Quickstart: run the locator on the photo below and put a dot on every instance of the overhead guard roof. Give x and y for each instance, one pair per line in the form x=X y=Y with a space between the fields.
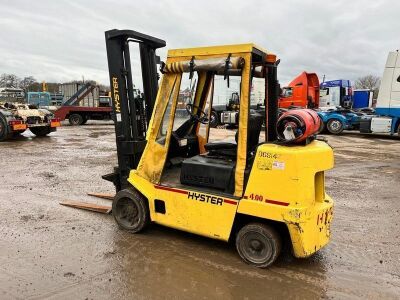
x=215 y=50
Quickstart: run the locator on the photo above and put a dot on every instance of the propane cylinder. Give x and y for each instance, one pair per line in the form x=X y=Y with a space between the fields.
x=295 y=126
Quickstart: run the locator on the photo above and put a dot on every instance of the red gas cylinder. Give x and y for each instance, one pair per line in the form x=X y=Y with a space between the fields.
x=296 y=125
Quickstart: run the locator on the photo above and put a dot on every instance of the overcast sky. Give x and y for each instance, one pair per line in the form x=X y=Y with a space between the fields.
x=64 y=40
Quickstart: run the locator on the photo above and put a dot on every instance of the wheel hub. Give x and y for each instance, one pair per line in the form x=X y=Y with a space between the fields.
x=127 y=212
x=257 y=247
x=335 y=125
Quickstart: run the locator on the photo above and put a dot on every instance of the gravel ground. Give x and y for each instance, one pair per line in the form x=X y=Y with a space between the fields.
x=49 y=251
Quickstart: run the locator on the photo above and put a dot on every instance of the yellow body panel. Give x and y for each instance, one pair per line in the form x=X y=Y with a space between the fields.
x=196 y=212
x=286 y=184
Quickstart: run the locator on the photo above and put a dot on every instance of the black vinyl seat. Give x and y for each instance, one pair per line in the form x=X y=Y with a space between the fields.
x=216 y=169
x=230 y=149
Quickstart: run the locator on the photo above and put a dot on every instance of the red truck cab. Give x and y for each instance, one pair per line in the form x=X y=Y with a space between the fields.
x=303 y=91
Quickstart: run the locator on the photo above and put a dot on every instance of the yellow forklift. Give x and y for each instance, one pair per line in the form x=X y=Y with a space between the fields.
x=252 y=190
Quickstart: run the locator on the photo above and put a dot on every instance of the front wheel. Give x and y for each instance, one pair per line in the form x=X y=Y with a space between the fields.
x=40 y=131
x=335 y=126
x=130 y=210
x=258 y=244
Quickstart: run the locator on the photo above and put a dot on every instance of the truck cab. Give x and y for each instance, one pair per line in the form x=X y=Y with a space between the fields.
x=336 y=93
x=39 y=99
x=303 y=91
x=387 y=112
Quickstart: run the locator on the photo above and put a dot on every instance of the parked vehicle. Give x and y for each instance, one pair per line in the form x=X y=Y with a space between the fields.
x=79 y=115
x=385 y=118
x=228 y=114
x=362 y=98
x=336 y=93
x=15 y=118
x=303 y=91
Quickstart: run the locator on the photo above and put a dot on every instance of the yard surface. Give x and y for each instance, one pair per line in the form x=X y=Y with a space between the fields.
x=48 y=251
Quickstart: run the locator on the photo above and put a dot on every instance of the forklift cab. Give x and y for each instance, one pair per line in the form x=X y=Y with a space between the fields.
x=183 y=143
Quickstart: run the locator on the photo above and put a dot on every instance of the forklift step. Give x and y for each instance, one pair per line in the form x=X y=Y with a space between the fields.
x=104 y=209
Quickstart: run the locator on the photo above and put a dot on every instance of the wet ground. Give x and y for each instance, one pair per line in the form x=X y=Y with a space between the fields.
x=48 y=251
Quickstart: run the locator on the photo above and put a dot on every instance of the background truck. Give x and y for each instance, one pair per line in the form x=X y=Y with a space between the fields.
x=303 y=91
x=15 y=118
x=336 y=93
x=385 y=119
x=362 y=98
x=92 y=110
x=228 y=114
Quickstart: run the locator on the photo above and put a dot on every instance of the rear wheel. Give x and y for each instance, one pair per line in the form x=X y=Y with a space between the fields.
x=75 y=119
x=130 y=210
x=3 y=129
x=398 y=129
x=258 y=244
x=335 y=126
x=40 y=131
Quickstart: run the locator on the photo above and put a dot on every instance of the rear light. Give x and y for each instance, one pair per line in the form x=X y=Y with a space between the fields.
x=55 y=122
x=15 y=122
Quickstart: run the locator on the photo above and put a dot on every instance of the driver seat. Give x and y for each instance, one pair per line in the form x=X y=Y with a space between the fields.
x=230 y=149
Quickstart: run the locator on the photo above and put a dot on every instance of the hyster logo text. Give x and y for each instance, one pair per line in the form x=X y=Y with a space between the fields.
x=116 y=95
x=205 y=198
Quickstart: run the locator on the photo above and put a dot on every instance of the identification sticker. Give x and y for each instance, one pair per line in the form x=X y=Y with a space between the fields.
x=277 y=165
x=118 y=117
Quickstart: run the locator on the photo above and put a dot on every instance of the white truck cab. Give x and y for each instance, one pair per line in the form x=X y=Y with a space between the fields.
x=387 y=118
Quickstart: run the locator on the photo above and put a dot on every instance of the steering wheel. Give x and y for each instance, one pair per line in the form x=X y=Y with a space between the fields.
x=202 y=118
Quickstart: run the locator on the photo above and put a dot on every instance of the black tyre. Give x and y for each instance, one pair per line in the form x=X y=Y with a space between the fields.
x=214 y=120
x=40 y=131
x=321 y=126
x=398 y=130
x=258 y=244
x=130 y=210
x=3 y=129
x=335 y=126
x=75 y=119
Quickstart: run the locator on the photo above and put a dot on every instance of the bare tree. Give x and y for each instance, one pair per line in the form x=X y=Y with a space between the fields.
x=9 y=80
x=370 y=82
x=27 y=82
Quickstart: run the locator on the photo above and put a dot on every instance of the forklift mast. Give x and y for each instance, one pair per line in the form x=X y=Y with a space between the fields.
x=131 y=115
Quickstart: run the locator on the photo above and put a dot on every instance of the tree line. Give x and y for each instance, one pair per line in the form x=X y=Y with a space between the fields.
x=30 y=84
